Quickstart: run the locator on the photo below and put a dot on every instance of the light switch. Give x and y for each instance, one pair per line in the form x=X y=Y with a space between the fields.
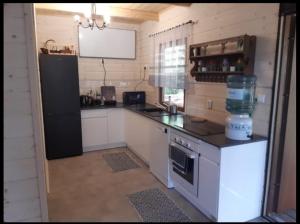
x=261 y=98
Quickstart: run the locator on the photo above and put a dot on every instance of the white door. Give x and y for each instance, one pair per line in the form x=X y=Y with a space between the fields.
x=130 y=128
x=94 y=131
x=159 y=149
x=208 y=185
x=115 y=126
x=138 y=134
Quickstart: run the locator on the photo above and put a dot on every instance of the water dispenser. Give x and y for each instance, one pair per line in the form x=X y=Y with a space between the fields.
x=240 y=103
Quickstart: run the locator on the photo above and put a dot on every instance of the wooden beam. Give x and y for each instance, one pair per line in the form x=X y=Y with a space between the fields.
x=134 y=14
x=78 y=8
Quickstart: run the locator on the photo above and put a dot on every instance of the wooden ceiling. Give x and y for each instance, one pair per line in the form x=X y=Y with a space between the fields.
x=138 y=12
x=147 y=7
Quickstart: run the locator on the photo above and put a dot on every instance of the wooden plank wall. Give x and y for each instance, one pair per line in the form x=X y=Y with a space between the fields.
x=215 y=21
x=21 y=194
x=122 y=73
x=218 y=21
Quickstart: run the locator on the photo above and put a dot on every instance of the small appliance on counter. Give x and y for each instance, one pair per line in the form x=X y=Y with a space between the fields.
x=134 y=97
x=86 y=101
x=240 y=103
x=108 y=94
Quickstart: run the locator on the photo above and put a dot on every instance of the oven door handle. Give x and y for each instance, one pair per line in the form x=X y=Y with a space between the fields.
x=180 y=171
x=177 y=164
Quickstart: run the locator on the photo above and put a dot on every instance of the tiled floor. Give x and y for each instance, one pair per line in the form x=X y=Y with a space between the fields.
x=84 y=188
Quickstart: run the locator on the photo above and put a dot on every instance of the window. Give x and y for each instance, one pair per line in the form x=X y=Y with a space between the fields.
x=177 y=97
x=173 y=61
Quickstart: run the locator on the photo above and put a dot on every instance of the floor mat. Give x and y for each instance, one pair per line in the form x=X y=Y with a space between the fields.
x=120 y=161
x=154 y=206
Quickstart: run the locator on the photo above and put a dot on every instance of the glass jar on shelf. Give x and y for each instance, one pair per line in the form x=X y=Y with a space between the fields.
x=200 y=64
x=240 y=45
x=225 y=65
x=203 y=50
x=195 y=51
x=239 y=65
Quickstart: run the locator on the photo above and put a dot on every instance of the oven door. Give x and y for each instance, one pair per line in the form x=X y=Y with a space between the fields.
x=184 y=167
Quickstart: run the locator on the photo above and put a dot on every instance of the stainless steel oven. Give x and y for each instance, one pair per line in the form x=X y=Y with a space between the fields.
x=183 y=164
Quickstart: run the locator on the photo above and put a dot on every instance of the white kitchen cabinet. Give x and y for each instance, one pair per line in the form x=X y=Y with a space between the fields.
x=241 y=187
x=94 y=131
x=208 y=185
x=230 y=180
x=159 y=153
x=102 y=129
x=138 y=130
x=115 y=126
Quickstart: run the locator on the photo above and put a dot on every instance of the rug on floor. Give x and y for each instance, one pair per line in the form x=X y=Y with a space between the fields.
x=119 y=161
x=153 y=205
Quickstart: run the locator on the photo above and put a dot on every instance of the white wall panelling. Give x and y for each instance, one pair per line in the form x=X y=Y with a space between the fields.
x=24 y=198
x=63 y=30
x=217 y=21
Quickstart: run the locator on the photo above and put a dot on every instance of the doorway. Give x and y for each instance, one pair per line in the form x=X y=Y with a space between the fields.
x=281 y=185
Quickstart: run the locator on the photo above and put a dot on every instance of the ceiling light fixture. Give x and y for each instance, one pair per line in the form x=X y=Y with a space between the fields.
x=91 y=18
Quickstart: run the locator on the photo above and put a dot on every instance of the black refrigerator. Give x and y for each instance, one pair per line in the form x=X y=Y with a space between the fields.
x=61 y=105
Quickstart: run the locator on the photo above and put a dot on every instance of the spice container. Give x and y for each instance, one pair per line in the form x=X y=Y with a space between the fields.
x=199 y=66
x=225 y=65
x=195 y=52
x=239 y=65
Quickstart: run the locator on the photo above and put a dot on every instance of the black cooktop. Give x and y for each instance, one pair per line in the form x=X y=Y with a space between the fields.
x=200 y=126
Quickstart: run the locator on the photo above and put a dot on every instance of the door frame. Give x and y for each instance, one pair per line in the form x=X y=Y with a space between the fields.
x=36 y=105
x=280 y=98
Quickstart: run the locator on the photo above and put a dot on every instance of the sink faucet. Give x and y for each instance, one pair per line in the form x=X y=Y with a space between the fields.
x=160 y=106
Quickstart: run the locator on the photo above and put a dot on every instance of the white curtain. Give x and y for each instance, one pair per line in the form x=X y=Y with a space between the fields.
x=170 y=57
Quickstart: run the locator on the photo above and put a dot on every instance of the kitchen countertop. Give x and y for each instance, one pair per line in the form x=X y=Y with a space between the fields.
x=118 y=105
x=209 y=132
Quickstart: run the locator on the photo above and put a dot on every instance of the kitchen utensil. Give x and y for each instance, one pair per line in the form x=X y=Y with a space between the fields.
x=172 y=109
x=108 y=94
x=44 y=50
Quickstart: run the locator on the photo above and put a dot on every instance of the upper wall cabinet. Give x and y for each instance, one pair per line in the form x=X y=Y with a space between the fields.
x=214 y=60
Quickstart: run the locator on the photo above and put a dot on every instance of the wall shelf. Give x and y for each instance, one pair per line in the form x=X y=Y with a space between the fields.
x=236 y=52
x=217 y=55
x=217 y=72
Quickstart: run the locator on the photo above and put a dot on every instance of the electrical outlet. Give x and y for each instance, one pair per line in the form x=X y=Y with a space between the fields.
x=209 y=104
x=261 y=98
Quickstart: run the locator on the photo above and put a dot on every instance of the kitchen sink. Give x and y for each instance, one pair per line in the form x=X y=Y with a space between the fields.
x=154 y=112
